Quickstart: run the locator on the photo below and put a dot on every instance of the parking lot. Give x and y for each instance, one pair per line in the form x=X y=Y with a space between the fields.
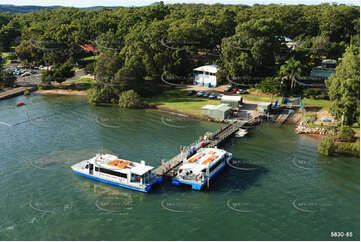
x=245 y=111
x=26 y=75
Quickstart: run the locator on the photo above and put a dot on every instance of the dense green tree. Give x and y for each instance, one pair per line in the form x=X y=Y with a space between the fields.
x=344 y=87
x=7 y=79
x=254 y=49
x=137 y=44
x=290 y=70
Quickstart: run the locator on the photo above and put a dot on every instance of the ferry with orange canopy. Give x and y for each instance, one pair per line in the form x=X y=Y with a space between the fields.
x=110 y=169
x=202 y=167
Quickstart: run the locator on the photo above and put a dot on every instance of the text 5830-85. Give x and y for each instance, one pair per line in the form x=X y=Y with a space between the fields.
x=341 y=234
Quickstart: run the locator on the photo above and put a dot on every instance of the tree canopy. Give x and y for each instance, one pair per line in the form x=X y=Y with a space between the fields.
x=344 y=87
x=136 y=45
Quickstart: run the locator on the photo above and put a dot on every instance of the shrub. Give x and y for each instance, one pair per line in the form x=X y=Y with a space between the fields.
x=129 y=99
x=345 y=133
x=315 y=93
x=89 y=68
x=26 y=92
x=7 y=79
x=270 y=85
x=221 y=76
x=12 y=57
x=58 y=73
x=327 y=146
x=349 y=148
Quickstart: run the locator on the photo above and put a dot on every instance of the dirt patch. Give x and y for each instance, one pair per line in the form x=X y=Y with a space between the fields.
x=62 y=92
x=322 y=114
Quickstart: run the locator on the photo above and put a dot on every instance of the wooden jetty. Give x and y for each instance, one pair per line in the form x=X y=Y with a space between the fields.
x=169 y=168
x=284 y=116
x=15 y=92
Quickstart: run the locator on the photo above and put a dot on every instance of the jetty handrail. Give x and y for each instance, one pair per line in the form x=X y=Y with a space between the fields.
x=213 y=140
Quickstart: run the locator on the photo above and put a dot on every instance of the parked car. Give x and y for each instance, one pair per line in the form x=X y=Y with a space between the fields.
x=323 y=119
x=190 y=93
x=235 y=90
x=242 y=91
x=200 y=94
x=25 y=74
x=228 y=89
x=219 y=96
x=212 y=96
x=206 y=94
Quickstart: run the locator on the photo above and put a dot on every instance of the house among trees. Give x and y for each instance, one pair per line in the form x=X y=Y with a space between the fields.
x=89 y=48
x=324 y=71
x=206 y=75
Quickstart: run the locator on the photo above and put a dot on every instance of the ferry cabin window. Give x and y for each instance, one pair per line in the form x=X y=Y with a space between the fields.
x=110 y=172
x=135 y=178
x=216 y=164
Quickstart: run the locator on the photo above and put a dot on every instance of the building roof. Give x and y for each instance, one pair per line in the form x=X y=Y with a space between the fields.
x=231 y=98
x=330 y=61
x=223 y=107
x=321 y=72
x=264 y=104
x=208 y=68
x=89 y=48
x=209 y=106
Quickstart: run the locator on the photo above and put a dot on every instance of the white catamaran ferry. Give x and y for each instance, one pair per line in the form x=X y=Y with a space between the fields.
x=203 y=166
x=110 y=169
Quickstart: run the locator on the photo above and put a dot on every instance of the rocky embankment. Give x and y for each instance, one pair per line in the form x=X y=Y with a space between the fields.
x=302 y=128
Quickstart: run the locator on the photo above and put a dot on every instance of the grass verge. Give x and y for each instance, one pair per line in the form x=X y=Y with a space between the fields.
x=176 y=99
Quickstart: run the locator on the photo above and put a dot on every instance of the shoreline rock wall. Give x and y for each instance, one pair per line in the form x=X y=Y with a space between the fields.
x=302 y=128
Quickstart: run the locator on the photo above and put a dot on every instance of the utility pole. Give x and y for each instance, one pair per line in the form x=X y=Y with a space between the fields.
x=343 y=118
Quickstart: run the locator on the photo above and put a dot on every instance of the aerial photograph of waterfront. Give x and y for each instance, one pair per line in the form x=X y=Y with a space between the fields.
x=179 y=120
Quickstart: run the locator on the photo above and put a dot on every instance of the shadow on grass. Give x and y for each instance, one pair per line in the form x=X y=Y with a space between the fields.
x=175 y=96
x=313 y=108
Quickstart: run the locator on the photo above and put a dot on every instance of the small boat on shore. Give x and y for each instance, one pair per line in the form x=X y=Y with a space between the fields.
x=241 y=133
x=110 y=169
x=202 y=167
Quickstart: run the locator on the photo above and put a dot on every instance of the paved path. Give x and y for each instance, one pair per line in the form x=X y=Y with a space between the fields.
x=14 y=92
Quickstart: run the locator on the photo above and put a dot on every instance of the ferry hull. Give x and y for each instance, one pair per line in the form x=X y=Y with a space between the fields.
x=196 y=186
x=146 y=189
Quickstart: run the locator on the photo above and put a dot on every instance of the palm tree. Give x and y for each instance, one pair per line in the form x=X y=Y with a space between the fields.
x=290 y=69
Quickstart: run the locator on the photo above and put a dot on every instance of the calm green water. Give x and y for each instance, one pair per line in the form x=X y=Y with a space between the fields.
x=278 y=187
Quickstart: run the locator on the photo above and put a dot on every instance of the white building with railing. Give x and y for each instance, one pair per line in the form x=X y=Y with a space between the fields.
x=206 y=75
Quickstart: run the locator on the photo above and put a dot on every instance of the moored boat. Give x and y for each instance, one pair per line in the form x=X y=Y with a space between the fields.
x=202 y=167
x=241 y=133
x=110 y=169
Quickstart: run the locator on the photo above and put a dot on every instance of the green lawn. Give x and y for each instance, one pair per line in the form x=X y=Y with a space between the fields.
x=90 y=81
x=252 y=97
x=176 y=99
x=325 y=104
x=89 y=58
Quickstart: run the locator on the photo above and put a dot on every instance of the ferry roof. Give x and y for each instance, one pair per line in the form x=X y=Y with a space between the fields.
x=114 y=163
x=203 y=158
x=141 y=169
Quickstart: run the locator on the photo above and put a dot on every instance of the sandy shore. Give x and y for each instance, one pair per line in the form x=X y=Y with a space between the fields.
x=62 y=92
